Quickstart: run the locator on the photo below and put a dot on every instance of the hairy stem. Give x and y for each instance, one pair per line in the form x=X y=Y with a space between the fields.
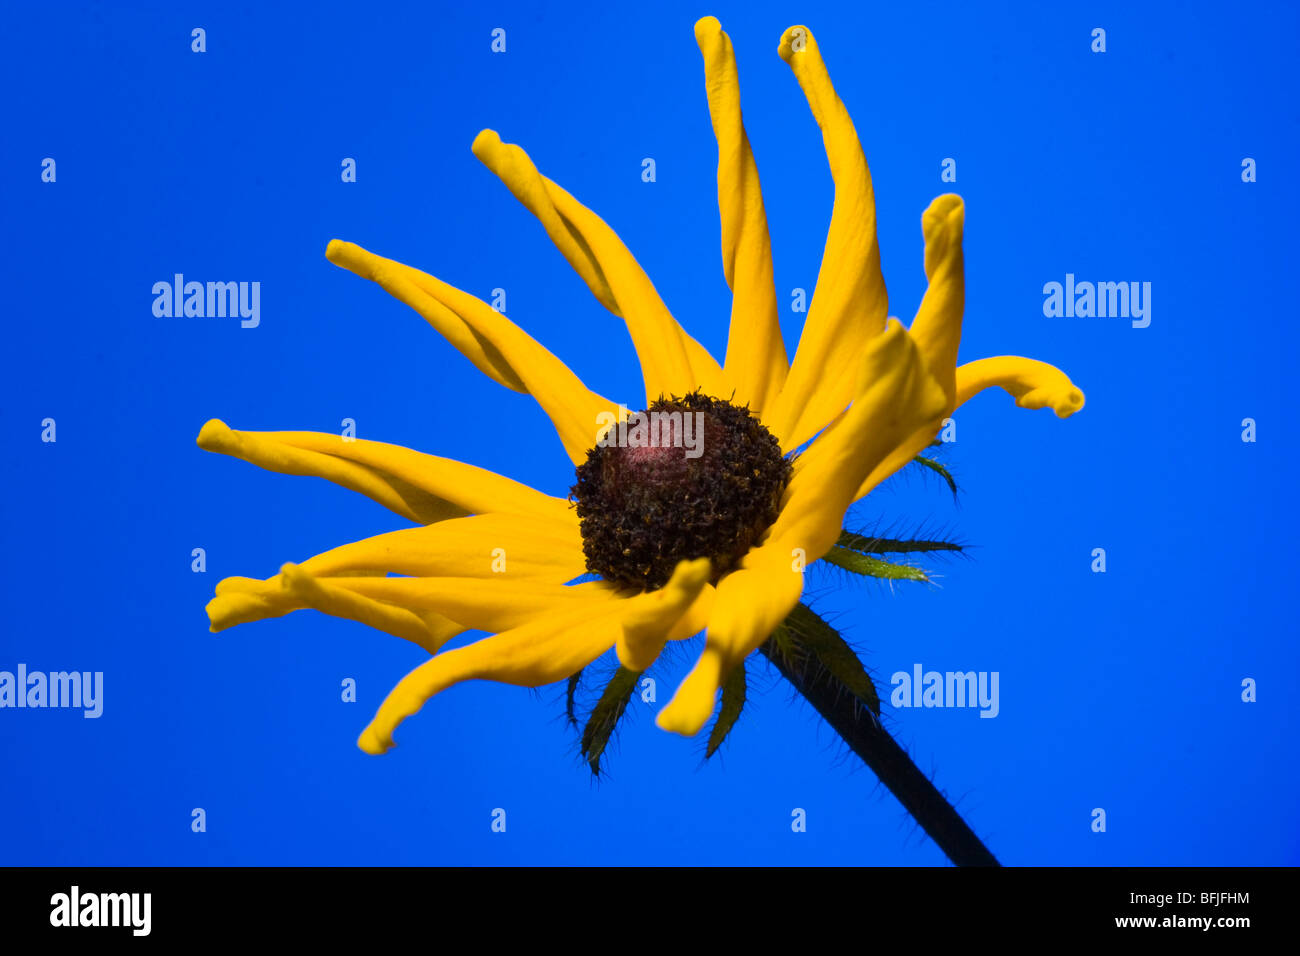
x=865 y=735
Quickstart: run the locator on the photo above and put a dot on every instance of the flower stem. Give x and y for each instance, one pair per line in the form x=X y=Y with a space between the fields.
x=867 y=738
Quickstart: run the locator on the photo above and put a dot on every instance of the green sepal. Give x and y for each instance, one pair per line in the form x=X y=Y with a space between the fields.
x=823 y=647
x=570 y=699
x=733 y=702
x=868 y=566
x=939 y=469
x=869 y=544
x=606 y=714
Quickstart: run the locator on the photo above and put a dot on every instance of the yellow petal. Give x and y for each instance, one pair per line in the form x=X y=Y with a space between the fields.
x=849 y=303
x=542 y=651
x=516 y=547
x=426 y=611
x=907 y=450
x=428 y=630
x=937 y=328
x=672 y=362
x=508 y=549
x=749 y=606
x=756 y=360
x=938 y=324
x=491 y=341
x=422 y=488
x=1034 y=384
x=696 y=617
x=481 y=604
x=242 y=600
x=899 y=405
x=645 y=627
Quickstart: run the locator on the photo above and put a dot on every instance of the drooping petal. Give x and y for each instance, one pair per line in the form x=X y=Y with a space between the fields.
x=480 y=604
x=849 y=304
x=937 y=327
x=510 y=549
x=756 y=360
x=242 y=600
x=324 y=595
x=750 y=603
x=696 y=616
x=897 y=411
x=425 y=611
x=422 y=488
x=542 y=651
x=491 y=341
x=672 y=362
x=645 y=630
x=1034 y=384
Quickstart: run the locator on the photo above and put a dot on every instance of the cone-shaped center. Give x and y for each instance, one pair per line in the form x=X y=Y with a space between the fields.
x=690 y=477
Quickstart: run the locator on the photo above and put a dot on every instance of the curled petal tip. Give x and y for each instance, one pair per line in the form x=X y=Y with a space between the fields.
x=213 y=434
x=947 y=210
x=294 y=579
x=1069 y=403
x=794 y=40
x=1033 y=384
x=371 y=743
x=359 y=261
x=350 y=256
x=484 y=141
x=1064 y=401
x=707 y=27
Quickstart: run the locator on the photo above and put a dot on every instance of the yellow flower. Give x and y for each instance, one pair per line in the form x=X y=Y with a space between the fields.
x=867 y=392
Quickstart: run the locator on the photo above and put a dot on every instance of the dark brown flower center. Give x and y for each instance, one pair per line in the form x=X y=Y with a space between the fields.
x=690 y=477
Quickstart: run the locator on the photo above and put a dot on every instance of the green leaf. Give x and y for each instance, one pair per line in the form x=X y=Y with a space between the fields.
x=868 y=566
x=733 y=701
x=832 y=655
x=938 y=468
x=868 y=544
x=606 y=714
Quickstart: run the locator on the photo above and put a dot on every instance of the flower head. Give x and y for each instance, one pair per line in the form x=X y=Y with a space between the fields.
x=716 y=541
x=646 y=502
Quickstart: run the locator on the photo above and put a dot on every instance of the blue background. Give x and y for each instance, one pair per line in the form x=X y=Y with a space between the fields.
x=1118 y=690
